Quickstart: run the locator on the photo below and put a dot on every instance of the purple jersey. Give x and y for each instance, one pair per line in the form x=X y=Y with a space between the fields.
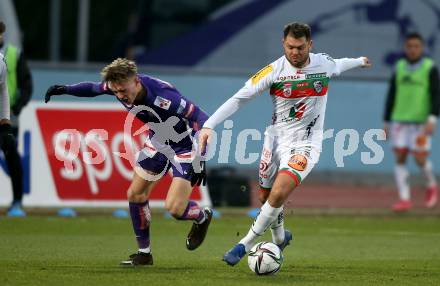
x=161 y=97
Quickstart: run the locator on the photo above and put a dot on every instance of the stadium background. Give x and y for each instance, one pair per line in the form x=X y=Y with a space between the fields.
x=207 y=49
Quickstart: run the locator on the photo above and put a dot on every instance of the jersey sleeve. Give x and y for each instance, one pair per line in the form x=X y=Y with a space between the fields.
x=257 y=84
x=338 y=66
x=88 y=89
x=4 y=96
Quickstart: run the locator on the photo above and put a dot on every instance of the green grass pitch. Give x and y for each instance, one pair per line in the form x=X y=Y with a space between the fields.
x=327 y=250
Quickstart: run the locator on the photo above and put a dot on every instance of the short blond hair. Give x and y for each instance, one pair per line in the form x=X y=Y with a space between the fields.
x=119 y=70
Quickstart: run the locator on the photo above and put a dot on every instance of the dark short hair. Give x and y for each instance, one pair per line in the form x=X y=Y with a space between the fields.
x=414 y=35
x=2 y=27
x=297 y=30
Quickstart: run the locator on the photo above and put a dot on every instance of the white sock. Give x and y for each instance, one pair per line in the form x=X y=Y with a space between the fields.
x=277 y=229
x=429 y=175
x=145 y=250
x=401 y=176
x=267 y=215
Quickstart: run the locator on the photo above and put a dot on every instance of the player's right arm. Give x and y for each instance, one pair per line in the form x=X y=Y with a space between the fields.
x=257 y=84
x=82 y=89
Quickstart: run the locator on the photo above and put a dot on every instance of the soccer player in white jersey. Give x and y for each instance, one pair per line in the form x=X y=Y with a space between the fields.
x=298 y=84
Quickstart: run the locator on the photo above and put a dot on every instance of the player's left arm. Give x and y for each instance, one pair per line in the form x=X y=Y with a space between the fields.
x=434 y=90
x=345 y=64
x=82 y=89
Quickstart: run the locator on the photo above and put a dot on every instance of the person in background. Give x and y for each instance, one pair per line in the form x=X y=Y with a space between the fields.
x=19 y=87
x=411 y=112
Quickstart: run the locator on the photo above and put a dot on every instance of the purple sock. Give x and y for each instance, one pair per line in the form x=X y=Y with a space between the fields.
x=192 y=212
x=141 y=218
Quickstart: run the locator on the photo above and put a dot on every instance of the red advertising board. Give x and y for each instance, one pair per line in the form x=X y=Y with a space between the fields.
x=65 y=132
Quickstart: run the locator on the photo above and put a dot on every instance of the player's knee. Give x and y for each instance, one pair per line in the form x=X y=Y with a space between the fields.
x=134 y=197
x=401 y=155
x=420 y=160
x=263 y=194
x=401 y=160
x=278 y=195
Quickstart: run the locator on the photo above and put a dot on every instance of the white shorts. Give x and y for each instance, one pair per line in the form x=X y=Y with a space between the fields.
x=410 y=137
x=277 y=158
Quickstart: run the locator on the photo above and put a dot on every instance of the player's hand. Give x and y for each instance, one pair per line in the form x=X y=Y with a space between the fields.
x=366 y=63
x=198 y=178
x=54 y=90
x=204 y=139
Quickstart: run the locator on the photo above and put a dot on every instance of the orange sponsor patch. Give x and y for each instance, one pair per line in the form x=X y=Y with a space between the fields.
x=421 y=140
x=298 y=162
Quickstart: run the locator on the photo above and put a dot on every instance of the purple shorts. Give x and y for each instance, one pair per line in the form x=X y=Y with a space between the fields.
x=159 y=162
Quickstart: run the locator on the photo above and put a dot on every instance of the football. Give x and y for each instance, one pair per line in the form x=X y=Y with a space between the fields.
x=265 y=258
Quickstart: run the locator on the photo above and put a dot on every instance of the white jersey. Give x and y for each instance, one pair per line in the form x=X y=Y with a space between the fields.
x=299 y=98
x=4 y=96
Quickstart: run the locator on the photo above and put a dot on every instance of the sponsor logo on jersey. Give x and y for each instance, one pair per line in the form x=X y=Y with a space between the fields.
x=318 y=86
x=298 y=162
x=299 y=109
x=182 y=106
x=261 y=73
x=162 y=102
x=316 y=75
x=263 y=166
x=288 y=77
x=302 y=84
x=300 y=88
x=287 y=89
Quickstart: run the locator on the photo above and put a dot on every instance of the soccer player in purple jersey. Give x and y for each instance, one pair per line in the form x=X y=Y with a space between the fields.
x=159 y=99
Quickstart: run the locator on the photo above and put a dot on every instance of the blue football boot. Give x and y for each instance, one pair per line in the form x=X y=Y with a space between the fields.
x=287 y=238
x=234 y=255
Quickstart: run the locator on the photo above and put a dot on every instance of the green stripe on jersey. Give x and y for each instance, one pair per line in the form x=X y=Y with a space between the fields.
x=300 y=84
